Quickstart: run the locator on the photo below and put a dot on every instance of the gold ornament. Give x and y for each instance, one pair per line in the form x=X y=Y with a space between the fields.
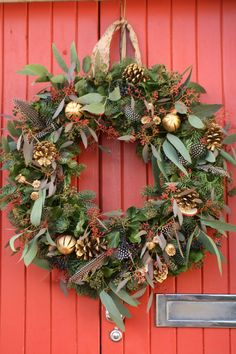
x=146 y=119
x=34 y=195
x=21 y=179
x=66 y=244
x=36 y=184
x=214 y=137
x=170 y=249
x=134 y=74
x=156 y=120
x=73 y=110
x=151 y=245
x=171 y=122
x=88 y=247
x=160 y=275
x=44 y=153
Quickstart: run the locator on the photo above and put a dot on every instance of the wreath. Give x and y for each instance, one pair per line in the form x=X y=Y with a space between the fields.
x=116 y=255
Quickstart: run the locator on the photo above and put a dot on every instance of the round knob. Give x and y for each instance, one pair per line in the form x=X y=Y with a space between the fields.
x=116 y=335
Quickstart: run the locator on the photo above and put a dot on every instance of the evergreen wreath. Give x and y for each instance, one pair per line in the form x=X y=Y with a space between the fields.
x=116 y=255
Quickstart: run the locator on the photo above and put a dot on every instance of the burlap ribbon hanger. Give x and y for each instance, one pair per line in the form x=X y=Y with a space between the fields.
x=102 y=48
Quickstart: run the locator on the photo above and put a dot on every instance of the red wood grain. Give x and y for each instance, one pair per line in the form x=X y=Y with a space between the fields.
x=37 y=333
x=64 y=330
x=12 y=274
x=177 y=33
x=88 y=310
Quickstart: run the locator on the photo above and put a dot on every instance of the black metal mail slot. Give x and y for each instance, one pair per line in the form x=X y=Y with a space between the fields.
x=194 y=310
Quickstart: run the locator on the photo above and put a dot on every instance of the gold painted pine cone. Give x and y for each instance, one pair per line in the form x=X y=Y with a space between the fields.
x=73 y=110
x=89 y=247
x=66 y=244
x=171 y=122
x=44 y=153
x=214 y=137
x=134 y=74
x=161 y=275
x=188 y=201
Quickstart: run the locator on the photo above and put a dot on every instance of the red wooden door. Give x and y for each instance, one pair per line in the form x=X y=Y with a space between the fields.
x=36 y=318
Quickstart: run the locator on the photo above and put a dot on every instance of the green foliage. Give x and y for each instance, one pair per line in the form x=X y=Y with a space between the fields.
x=115 y=253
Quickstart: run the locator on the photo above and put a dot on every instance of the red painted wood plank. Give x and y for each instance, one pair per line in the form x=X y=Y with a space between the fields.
x=110 y=178
x=184 y=55
x=12 y=273
x=88 y=310
x=38 y=281
x=64 y=315
x=210 y=77
x=134 y=179
x=229 y=87
x=160 y=51
x=37 y=331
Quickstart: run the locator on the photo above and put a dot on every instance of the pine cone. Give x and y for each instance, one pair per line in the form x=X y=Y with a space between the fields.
x=214 y=137
x=188 y=199
x=171 y=265
x=178 y=259
x=197 y=150
x=88 y=247
x=44 y=153
x=134 y=74
x=131 y=114
x=160 y=275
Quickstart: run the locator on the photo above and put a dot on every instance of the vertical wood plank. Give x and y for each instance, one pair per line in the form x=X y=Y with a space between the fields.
x=210 y=76
x=64 y=326
x=38 y=281
x=228 y=54
x=159 y=29
x=110 y=173
x=134 y=180
x=184 y=54
x=12 y=274
x=88 y=310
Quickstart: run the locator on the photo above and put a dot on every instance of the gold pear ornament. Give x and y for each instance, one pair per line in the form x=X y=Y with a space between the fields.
x=66 y=244
x=171 y=122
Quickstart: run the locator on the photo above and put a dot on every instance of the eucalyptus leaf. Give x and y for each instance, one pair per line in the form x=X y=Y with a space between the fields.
x=33 y=248
x=59 y=109
x=111 y=307
x=126 y=138
x=12 y=241
x=84 y=138
x=123 y=310
x=34 y=70
x=42 y=263
x=211 y=247
x=49 y=239
x=74 y=57
x=150 y=301
x=210 y=157
x=93 y=133
x=94 y=108
x=177 y=143
x=172 y=155
x=115 y=94
x=59 y=58
x=180 y=107
x=58 y=79
x=228 y=157
x=205 y=110
x=195 y=122
x=36 y=212
x=90 y=98
x=123 y=295
x=230 y=139
x=113 y=239
x=219 y=225
x=86 y=64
